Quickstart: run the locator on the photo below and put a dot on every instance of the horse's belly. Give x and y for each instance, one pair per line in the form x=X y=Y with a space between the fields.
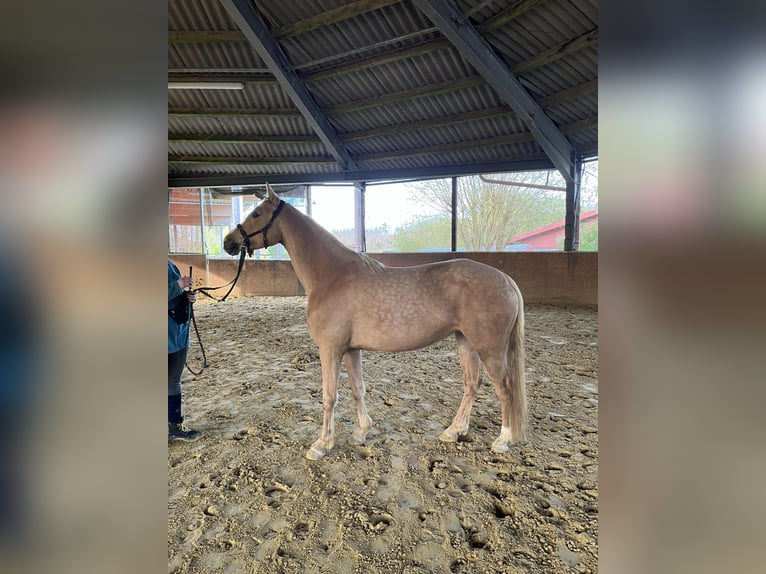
x=392 y=337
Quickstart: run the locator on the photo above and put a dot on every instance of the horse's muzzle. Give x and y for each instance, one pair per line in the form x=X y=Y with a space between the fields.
x=231 y=246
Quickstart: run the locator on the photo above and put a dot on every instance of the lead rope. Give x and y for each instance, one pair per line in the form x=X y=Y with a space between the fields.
x=201 y=346
x=233 y=282
x=204 y=291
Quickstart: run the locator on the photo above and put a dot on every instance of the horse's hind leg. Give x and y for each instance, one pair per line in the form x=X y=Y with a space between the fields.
x=353 y=362
x=469 y=360
x=496 y=373
x=512 y=401
x=330 y=360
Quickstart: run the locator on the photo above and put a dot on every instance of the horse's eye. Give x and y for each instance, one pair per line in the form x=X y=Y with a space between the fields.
x=254 y=215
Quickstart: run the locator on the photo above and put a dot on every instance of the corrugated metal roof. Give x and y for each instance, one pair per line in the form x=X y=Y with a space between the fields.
x=383 y=67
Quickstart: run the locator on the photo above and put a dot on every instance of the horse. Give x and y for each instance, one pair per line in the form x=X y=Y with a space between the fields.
x=356 y=303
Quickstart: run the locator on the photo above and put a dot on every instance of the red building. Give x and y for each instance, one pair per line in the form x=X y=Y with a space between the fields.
x=547 y=238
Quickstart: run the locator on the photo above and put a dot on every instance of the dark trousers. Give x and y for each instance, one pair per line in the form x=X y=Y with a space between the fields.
x=176 y=362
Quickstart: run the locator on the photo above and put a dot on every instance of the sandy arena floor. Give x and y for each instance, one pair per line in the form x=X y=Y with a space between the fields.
x=244 y=498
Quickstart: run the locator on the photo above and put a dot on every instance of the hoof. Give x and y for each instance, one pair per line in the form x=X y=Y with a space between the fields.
x=359 y=437
x=318 y=450
x=499 y=447
x=314 y=454
x=451 y=433
x=448 y=437
x=503 y=442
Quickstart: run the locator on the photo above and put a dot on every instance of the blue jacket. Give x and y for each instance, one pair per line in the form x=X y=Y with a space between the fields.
x=178 y=335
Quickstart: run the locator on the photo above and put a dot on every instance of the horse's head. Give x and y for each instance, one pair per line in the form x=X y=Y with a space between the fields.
x=257 y=230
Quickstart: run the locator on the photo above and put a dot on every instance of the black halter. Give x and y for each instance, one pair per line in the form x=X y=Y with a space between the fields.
x=246 y=237
x=245 y=248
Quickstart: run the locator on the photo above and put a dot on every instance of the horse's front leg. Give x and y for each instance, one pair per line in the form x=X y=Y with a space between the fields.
x=330 y=360
x=353 y=361
x=469 y=360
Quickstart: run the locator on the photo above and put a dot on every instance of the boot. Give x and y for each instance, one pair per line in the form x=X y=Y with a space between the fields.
x=177 y=429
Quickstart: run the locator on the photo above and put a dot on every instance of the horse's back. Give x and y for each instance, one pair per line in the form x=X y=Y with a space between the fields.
x=458 y=279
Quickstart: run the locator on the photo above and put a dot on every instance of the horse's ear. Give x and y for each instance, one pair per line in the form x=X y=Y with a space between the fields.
x=273 y=197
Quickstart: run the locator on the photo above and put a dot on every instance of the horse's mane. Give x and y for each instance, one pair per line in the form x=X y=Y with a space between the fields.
x=372 y=264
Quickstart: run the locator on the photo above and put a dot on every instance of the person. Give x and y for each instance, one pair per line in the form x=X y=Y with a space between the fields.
x=21 y=335
x=179 y=301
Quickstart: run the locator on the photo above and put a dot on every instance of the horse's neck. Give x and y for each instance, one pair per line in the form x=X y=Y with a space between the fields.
x=314 y=252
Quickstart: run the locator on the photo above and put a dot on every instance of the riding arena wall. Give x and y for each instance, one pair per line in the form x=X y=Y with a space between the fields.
x=553 y=278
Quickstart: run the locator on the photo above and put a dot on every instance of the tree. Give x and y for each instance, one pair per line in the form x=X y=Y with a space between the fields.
x=589 y=237
x=424 y=233
x=589 y=186
x=379 y=239
x=489 y=214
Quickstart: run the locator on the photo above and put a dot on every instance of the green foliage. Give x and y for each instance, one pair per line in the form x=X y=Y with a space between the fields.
x=213 y=242
x=490 y=214
x=379 y=239
x=589 y=237
x=427 y=233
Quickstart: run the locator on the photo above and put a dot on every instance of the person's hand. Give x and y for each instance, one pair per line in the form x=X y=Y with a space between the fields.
x=184 y=282
x=191 y=296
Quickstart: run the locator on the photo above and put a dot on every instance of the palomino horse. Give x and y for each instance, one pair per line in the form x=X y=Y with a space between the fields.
x=355 y=303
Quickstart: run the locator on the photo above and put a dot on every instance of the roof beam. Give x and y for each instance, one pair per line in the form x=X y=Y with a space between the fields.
x=225 y=76
x=378 y=59
x=330 y=17
x=509 y=15
x=205 y=36
x=484 y=114
x=574 y=127
x=250 y=22
x=548 y=56
x=339 y=14
x=237 y=160
x=427 y=124
x=407 y=95
x=477 y=51
x=234 y=112
x=558 y=52
x=239 y=139
x=448 y=87
x=300 y=27
x=487 y=142
x=569 y=93
x=397 y=97
x=193 y=180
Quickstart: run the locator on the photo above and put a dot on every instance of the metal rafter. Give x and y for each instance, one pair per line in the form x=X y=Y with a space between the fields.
x=580 y=125
x=417 y=49
x=332 y=16
x=407 y=95
x=252 y=25
x=193 y=180
x=475 y=49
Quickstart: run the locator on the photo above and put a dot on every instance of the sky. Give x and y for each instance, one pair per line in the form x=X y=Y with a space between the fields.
x=391 y=204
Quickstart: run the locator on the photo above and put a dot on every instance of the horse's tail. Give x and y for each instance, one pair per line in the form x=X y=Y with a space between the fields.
x=516 y=383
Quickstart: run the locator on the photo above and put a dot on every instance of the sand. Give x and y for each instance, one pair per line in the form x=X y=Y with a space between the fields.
x=244 y=498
